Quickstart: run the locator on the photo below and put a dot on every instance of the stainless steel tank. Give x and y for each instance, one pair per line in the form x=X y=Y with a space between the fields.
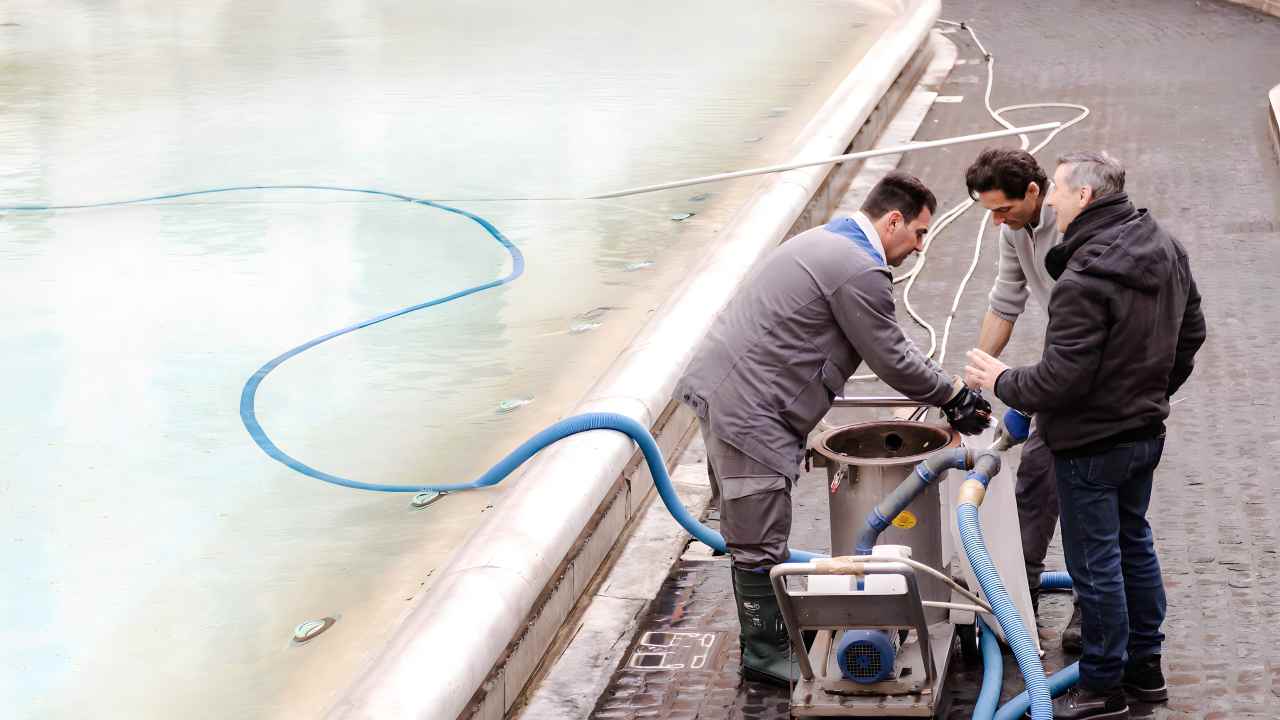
x=865 y=462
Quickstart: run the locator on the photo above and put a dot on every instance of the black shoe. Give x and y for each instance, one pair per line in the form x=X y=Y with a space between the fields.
x=1081 y=704
x=1072 y=641
x=1144 y=681
x=766 y=647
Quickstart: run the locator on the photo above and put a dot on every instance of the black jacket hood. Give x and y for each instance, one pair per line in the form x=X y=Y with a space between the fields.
x=1112 y=239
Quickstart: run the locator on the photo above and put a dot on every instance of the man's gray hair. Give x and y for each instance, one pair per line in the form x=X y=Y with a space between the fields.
x=1098 y=170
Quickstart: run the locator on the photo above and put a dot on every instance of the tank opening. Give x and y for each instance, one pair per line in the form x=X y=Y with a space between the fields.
x=897 y=440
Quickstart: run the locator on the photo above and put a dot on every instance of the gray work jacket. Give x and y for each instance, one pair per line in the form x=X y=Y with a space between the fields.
x=782 y=349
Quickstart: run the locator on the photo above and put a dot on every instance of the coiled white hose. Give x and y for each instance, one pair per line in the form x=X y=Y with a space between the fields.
x=945 y=219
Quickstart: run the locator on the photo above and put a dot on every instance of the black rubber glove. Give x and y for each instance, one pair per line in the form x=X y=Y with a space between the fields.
x=968 y=412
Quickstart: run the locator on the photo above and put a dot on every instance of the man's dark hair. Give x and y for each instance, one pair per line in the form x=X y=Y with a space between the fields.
x=902 y=192
x=1007 y=170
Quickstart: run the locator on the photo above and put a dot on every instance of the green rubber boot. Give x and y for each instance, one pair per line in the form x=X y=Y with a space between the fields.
x=766 y=651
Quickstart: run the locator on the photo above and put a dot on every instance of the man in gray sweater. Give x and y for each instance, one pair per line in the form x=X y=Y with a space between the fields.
x=1125 y=324
x=772 y=363
x=1012 y=185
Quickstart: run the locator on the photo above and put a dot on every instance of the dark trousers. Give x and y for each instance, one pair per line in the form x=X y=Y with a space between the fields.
x=1037 y=494
x=1111 y=556
x=755 y=506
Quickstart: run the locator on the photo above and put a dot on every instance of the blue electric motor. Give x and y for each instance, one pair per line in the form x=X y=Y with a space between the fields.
x=867 y=656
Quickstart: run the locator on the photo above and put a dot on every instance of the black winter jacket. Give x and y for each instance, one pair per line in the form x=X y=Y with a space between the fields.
x=1124 y=327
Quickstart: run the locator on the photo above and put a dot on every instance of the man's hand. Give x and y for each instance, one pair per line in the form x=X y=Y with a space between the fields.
x=967 y=411
x=982 y=370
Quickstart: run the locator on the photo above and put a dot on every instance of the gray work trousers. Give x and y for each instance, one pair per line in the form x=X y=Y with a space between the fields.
x=755 y=506
x=1037 y=493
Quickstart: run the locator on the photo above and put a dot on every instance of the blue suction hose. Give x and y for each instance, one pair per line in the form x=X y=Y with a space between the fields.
x=984 y=465
x=992 y=673
x=249 y=395
x=926 y=472
x=1024 y=648
x=652 y=455
x=1058 y=683
x=1040 y=689
x=1055 y=580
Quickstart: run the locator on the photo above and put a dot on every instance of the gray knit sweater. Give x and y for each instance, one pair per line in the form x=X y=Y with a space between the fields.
x=1022 y=270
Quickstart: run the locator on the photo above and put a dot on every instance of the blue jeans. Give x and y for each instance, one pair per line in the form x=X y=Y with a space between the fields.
x=1111 y=556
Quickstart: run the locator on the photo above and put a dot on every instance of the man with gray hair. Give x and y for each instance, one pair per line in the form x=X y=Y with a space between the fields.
x=1124 y=327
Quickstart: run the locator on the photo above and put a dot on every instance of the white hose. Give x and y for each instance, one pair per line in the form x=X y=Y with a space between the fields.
x=846 y=157
x=955 y=212
x=917 y=565
x=957 y=606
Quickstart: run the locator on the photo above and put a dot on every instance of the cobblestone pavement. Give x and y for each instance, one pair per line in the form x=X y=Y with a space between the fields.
x=1178 y=90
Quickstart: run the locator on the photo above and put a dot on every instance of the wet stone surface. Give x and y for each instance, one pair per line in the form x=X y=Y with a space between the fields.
x=696 y=599
x=1214 y=508
x=696 y=607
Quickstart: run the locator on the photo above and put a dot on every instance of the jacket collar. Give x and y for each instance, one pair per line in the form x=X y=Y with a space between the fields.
x=863 y=234
x=1100 y=215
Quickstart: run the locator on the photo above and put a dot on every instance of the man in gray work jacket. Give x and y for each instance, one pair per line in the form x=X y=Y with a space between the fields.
x=1012 y=185
x=773 y=362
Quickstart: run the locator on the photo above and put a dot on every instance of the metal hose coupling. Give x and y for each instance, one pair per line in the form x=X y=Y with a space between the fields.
x=926 y=472
x=974 y=488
